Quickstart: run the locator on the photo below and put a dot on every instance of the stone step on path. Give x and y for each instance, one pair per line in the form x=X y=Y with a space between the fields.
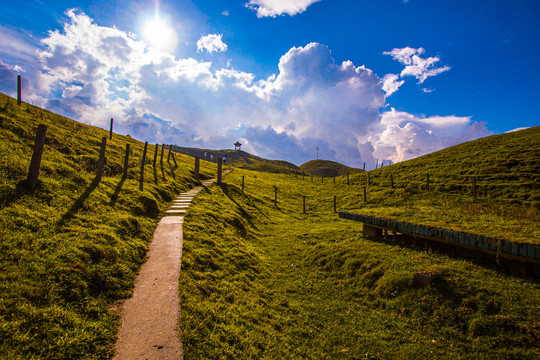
x=149 y=326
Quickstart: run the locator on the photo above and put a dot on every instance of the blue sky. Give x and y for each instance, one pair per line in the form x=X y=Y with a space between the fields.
x=362 y=80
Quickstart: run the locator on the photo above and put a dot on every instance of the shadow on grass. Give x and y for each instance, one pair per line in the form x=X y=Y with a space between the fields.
x=20 y=191
x=114 y=196
x=172 y=171
x=225 y=188
x=79 y=203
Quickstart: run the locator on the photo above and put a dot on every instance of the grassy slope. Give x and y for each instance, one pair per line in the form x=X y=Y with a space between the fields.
x=327 y=168
x=71 y=249
x=267 y=282
x=507 y=172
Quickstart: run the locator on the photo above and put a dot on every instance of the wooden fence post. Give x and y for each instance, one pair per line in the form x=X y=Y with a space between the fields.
x=365 y=195
x=335 y=203
x=303 y=174
x=275 y=195
x=161 y=161
x=19 y=90
x=33 y=171
x=219 y=169
x=126 y=163
x=377 y=164
x=101 y=160
x=304 y=204
x=174 y=160
x=169 y=155
x=364 y=168
x=242 y=184
x=141 y=180
x=197 y=166
x=111 y=131
x=348 y=183
x=474 y=188
x=155 y=163
x=427 y=181
x=321 y=178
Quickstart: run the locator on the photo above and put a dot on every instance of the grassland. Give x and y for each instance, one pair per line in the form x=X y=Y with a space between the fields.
x=270 y=282
x=260 y=280
x=327 y=168
x=70 y=250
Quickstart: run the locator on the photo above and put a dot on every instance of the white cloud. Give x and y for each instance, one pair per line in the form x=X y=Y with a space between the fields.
x=390 y=84
x=415 y=65
x=93 y=73
x=211 y=43
x=273 y=8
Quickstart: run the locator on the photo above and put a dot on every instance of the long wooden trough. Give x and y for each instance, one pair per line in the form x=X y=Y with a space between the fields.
x=525 y=253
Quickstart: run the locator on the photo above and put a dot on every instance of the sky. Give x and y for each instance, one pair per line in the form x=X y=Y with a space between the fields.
x=362 y=81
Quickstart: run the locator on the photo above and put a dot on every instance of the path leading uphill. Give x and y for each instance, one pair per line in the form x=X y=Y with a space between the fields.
x=149 y=328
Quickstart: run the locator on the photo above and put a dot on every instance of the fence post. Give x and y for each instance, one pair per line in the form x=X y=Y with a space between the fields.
x=391 y=181
x=427 y=181
x=126 y=163
x=365 y=195
x=111 y=132
x=101 y=160
x=334 y=178
x=155 y=163
x=303 y=174
x=364 y=168
x=335 y=203
x=275 y=195
x=174 y=160
x=19 y=90
x=348 y=183
x=377 y=164
x=219 y=169
x=141 y=180
x=321 y=177
x=161 y=161
x=311 y=177
x=474 y=188
x=242 y=184
x=304 y=204
x=197 y=165
x=33 y=171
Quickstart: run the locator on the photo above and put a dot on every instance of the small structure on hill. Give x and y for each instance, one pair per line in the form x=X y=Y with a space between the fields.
x=237 y=146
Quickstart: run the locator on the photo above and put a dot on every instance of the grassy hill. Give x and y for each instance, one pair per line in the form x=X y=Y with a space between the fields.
x=327 y=168
x=241 y=159
x=70 y=250
x=262 y=280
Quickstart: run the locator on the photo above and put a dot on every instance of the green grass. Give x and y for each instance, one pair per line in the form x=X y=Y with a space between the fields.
x=327 y=168
x=70 y=250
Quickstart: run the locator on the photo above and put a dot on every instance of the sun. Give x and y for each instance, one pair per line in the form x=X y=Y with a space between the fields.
x=157 y=33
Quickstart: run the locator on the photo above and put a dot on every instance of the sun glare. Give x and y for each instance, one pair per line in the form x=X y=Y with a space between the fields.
x=159 y=34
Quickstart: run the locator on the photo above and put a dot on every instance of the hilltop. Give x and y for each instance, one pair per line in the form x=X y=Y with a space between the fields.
x=327 y=168
x=241 y=159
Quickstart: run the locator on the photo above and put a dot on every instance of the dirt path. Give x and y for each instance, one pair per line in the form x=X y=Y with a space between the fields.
x=149 y=328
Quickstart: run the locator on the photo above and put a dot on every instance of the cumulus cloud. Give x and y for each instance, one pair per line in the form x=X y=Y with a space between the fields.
x=92 y=73
x=391 y=84
x=415 y=65
x=211 y=43
x=273 y=8
x=402 y=136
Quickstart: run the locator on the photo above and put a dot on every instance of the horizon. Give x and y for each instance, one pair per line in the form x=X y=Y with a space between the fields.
x=360 y=81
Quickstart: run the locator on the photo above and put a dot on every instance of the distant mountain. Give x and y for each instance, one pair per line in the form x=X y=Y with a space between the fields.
x=240 y=159
x=327 y=168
